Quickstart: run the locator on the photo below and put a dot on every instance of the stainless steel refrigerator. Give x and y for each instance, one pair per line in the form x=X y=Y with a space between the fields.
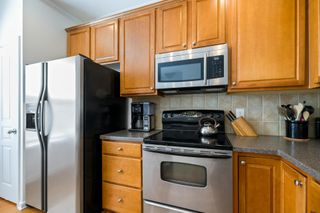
x=69 y=103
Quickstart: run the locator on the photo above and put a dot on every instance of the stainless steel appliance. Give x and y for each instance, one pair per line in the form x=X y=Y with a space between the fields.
x=190 y=70
x=69 y=103
x=142 y=116
x=184 y=171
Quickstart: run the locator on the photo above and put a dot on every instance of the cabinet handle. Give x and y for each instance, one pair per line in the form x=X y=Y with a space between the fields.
x=120 y=171
x=194 y=43
x=151 y=87
x=234 y=83
x=297 y=183
x=242 y=162
x=184 y=45
x=120 y=200
x=120 y=149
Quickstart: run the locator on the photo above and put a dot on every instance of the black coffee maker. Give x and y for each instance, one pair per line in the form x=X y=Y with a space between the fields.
x=142 y=116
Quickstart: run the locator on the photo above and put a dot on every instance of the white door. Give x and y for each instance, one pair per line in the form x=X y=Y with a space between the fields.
x=9 y=120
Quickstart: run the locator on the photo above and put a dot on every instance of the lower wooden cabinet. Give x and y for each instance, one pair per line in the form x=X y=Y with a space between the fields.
x=269 y=184
x=121 y=177
x=293 y=190
x=258 y=185
x=120 y=198
x=313 y=196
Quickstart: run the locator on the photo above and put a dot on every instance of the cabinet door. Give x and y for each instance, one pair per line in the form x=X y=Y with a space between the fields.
x=137 y=53
x=313 y=197
x=79 y=42
x=293 y=190
x=314 y=42
x=267 y=41
x=172 y=27
x=258 y=185
x=104 y=41
x=208 y=22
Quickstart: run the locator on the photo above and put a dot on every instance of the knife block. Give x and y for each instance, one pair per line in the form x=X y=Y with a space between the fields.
x=243 y=128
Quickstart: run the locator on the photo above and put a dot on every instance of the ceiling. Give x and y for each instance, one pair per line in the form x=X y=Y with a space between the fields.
x=85 y=10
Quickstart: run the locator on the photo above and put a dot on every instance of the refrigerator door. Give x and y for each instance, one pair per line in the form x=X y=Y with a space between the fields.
x=33 y=86
x=63 y=129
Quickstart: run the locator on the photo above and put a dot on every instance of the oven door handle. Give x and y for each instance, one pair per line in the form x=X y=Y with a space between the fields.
x=215 y=155
x=171 y=208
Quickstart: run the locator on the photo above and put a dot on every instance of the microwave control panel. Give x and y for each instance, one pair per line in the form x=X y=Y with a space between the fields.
x=215 y=67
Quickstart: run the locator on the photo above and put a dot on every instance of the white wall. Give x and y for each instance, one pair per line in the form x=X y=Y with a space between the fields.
x=10 y=20
x=44 y=37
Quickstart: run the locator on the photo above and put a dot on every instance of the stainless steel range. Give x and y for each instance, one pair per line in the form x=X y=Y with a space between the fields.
x=184 y=171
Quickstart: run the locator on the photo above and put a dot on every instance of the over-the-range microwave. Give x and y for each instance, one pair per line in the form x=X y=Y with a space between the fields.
x=202 y=68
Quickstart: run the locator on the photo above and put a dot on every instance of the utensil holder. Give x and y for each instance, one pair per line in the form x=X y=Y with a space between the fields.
x=297 y=129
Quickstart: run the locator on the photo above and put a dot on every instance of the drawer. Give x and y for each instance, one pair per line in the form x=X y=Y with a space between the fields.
x=121 y=199
x=121 y=170
x=122 y=149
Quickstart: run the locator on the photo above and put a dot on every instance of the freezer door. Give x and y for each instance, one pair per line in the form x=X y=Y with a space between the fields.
x=62 y=125
x=33 y=84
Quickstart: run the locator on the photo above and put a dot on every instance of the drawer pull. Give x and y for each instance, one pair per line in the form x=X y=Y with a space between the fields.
x=120 y=171
x=120 y=149
x=120 y=200
x=297 y=183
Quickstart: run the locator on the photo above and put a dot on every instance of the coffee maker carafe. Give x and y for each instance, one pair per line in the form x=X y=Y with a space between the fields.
x=142 y=116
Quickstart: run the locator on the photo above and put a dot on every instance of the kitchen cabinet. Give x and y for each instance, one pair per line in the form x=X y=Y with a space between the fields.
x=293 y=190
x=172 y=27
x=104 y=41
x=258 y=184
x=121 y=176
x=314 y=43
x=313 y=196
x=137 y=52
x=78 y=41
x=267 y=43
x=208 y=22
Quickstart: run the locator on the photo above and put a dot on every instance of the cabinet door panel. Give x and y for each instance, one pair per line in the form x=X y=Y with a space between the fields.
x=137 y=53
x=293 y=190
x=79 y=42
x=314 y=43
x=267 y=40
x=208 y=22
x=313 y=197
x=258 y=185
x=104 y=41
x=172 y=27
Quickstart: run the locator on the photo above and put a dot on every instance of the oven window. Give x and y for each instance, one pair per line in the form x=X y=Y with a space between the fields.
x=184 y=174
x=177 y=71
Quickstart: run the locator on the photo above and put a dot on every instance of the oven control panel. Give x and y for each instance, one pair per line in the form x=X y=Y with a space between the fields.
x=194 y=152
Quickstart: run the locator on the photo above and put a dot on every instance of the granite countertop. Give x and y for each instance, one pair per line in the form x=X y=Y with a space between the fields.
x=126 y=135
x=304 y=155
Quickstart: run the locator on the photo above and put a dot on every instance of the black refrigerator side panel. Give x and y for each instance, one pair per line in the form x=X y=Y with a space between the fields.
x=104 y=112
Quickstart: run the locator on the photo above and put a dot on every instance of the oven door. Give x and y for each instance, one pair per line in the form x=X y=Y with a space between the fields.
x=197 y=184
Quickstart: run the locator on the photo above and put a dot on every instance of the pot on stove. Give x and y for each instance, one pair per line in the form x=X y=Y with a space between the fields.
x=208 y=126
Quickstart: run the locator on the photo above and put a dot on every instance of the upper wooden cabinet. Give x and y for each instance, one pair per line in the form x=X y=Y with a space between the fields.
x=137 y=51
x=104 y=41
x=293 y=190
x=172 y=27
x=78 y=42
x=314 y=43
x=208 y=22
x=267 y=43
x=258 y=185
x=313 y=197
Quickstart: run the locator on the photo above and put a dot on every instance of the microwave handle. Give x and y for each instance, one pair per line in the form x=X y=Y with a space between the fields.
x=205 y=71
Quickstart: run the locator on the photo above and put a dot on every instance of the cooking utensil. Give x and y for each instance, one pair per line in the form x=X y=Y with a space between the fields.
x=305 y=115
x=309 y=108
x=283 y=112
x=298 y=110
x=208 y=126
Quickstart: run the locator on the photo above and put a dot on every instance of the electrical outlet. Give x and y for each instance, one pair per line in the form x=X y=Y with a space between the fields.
x=239 y=112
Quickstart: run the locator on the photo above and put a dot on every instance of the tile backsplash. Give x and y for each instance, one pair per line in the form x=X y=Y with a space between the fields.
x=260 y=108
